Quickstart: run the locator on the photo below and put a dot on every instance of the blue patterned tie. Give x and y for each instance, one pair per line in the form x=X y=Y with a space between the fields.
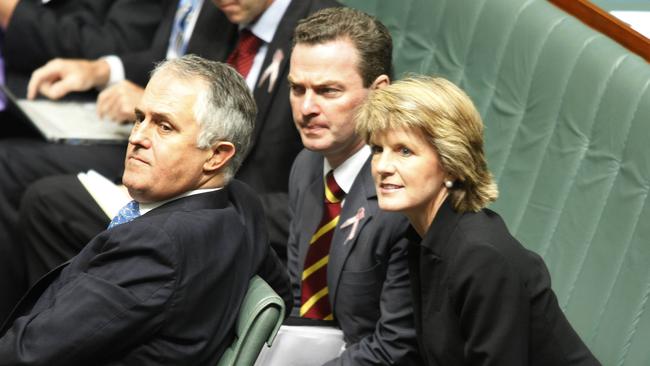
x=126 y=214
x=178 y=41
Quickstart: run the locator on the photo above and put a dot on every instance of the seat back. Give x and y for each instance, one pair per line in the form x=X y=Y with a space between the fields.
x=259 y=319
x=567 y=134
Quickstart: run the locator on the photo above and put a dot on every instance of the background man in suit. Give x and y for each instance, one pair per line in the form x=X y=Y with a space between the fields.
x=59 y=216
x=347 y=264
x=163 y=288
x=37 y=31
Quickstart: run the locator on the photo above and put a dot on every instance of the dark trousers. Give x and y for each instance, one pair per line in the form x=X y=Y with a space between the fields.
x=57 y=218
x=23 y=162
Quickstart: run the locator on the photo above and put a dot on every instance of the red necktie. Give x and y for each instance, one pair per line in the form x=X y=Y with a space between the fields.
x=315 y=302
x=244 y=53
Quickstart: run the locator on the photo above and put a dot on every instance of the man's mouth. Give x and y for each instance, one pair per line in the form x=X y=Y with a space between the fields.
x=138 y=159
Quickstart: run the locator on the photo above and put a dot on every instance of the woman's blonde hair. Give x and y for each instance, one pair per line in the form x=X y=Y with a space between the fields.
x=447 y=118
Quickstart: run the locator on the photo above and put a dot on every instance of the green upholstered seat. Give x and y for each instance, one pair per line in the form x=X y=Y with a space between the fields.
x=259 y=319
x=567 y=115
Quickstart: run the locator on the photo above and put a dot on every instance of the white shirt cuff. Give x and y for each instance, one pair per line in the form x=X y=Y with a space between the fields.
x=116 y=67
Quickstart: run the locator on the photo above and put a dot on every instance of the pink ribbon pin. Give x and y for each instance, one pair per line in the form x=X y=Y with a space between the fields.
x=272 y=71
x=354 y=221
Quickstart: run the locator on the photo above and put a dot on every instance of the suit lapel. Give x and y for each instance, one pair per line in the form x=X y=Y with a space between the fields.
x=359 y=208
x=313 y=198
x=217 y=36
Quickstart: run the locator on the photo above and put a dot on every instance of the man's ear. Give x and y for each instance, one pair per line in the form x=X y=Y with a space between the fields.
x=380 y=82
x=221 y=153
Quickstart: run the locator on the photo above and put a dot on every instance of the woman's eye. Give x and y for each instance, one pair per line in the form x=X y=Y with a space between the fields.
x=375 y=149
x=405 y=151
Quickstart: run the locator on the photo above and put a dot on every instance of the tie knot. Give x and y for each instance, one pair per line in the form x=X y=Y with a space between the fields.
x=333 y=192
x=243 y=55
x=248 y=40
x=126 y=214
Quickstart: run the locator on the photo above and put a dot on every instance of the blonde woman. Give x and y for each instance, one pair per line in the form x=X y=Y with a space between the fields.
x=480 y=297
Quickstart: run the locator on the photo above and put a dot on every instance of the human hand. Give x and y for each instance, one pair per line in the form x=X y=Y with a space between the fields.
x=7 y=8
x=118 y=101
x=61 y=76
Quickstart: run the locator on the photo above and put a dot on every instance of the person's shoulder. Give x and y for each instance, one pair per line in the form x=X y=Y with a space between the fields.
x=307 y=157
x=484 y=237
x=306 y=164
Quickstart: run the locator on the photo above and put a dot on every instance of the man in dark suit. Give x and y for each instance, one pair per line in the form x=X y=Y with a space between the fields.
x=60 y=216
x=163 y=284
x=37 y=31
x=346 y=259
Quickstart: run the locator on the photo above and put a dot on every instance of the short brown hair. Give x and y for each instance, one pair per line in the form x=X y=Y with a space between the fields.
x=448 y=120
x=370 y=37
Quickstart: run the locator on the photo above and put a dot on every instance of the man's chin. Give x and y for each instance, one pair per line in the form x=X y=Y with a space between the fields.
x=315 y=144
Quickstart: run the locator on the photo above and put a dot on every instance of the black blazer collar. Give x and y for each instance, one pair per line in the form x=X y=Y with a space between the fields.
x=443 y=226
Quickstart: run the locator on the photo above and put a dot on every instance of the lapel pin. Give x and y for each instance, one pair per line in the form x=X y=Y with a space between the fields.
x=272 y=71
x=354 y=222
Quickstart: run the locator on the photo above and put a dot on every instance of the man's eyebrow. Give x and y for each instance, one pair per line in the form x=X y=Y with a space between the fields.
x=327 y=82
x=161 y=116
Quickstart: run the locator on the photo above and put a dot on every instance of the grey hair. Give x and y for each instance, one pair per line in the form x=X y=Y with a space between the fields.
x=225 y=111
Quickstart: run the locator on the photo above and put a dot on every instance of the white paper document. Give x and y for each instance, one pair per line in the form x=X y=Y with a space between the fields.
x=302 y=346
x=108 y=195
x=75 y=122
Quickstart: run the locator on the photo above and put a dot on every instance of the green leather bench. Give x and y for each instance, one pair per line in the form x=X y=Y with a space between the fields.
x=567 y=114
x=260 y=317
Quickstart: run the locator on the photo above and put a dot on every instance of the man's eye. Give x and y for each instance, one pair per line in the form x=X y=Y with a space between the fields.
x=166 y=127
x=297 y=89
x=329 y=91
x=405 y=151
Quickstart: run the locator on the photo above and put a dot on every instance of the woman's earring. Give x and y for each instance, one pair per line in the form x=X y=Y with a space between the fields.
x=449 y=184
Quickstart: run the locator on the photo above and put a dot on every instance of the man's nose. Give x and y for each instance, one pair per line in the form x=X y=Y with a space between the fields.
x=309 y=104
x=140 y=134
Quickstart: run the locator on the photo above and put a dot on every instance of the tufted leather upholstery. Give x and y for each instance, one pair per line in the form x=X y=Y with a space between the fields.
x=567 y=114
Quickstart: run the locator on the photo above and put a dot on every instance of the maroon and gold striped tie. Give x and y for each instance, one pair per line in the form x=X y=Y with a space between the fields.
x=315 y=302
x=241 y=58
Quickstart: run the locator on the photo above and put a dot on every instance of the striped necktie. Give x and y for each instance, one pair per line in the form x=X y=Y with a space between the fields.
x=315 y=302
x=244 y=53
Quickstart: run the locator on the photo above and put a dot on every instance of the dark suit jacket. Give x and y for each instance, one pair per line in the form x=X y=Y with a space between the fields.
x=275 y=142
x=367 y=274
x=38 y=33
x=481 y=298
x=163 y=289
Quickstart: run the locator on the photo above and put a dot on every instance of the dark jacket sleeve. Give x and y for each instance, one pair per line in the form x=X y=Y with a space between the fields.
x=86 y=317
x=81 y=29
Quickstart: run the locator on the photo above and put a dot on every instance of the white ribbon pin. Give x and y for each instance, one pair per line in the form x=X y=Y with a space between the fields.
x=272 y=71
x=354 y=221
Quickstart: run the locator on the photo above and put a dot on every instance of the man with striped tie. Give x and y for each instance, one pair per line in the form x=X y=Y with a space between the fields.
x=346 y=259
